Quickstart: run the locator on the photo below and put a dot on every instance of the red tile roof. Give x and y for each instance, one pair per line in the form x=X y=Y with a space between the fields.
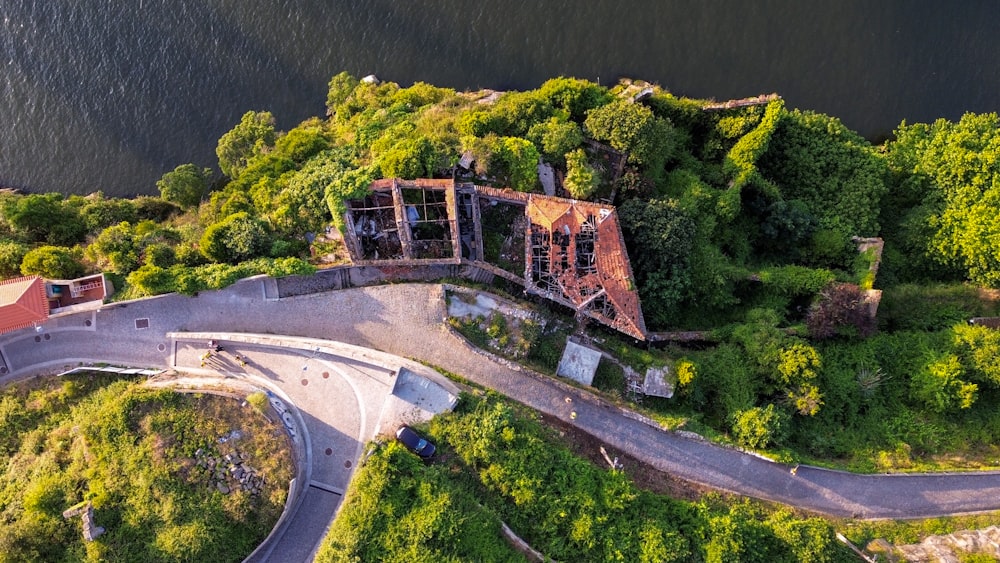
x=613 y=273
x=22 y=303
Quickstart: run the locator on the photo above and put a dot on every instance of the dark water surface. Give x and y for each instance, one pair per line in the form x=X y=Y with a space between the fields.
x=110 y=94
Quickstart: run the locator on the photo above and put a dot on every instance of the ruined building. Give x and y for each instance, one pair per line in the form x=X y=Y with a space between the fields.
x=568 y=251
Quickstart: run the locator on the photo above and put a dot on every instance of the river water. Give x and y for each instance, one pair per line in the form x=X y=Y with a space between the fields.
x=110 y=94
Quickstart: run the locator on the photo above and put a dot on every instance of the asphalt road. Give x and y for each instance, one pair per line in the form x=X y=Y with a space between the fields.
x=406 y=320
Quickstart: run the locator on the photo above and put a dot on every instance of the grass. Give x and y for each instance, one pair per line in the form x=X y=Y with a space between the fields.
x=500 y=462
x=132 y=452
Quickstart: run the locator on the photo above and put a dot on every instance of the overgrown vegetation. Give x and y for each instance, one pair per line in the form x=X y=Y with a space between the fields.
x=536 y=341
x=738 y=222
x=499 y=465
x=131 y=452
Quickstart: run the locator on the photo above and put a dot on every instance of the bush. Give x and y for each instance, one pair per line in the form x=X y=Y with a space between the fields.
x=151 y=280
x=258 y=400
x=931 y=307
x=759 y=427
x=236 y=238
x=52 y=262
x=795 y=280
x=581 y=178
x=11 y=257
x=102 y=213
x=840 y=306
x=154 y=209
x=940 y=387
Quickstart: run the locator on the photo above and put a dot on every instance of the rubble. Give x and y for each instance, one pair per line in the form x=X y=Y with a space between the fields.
x=85 y=510
x=230 y=472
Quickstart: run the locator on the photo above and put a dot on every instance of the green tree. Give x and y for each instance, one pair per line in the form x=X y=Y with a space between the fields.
x=659 y=236
x=555 y=138
x=961 y=193
x=115 y=249
x=254 y=133
x=44 y=218
x=185 y=185
x=11 y=255
x=836 y=173
x=52 y=262
x=632 y=128
x=581 y=178
x=236 y=238
x=340 y=88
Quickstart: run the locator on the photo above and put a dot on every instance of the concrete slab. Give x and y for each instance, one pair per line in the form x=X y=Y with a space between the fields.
x=469 y=305
x=657 y=384
x=423 y=393
x=579 y=363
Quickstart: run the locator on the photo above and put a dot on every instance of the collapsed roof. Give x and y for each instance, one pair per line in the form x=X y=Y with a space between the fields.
x=573 y=252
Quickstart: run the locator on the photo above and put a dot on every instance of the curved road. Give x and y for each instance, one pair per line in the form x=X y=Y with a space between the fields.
x=407 y=320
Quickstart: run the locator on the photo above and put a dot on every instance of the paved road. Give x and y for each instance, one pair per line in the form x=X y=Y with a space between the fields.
x=338 y=397
x=407 y=320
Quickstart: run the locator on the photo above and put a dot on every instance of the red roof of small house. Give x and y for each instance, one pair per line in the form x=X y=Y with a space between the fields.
x=22 y=303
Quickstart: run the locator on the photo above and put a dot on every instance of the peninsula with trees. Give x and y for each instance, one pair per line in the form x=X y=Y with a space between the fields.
x=799 y=291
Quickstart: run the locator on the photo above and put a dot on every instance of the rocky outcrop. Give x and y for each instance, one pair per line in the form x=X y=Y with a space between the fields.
x=945 y=549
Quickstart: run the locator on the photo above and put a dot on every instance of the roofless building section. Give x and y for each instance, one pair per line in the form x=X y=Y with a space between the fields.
x=405 y=221
x=567 y=251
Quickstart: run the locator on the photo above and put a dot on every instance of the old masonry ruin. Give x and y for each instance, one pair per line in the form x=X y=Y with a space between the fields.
x=571 y=252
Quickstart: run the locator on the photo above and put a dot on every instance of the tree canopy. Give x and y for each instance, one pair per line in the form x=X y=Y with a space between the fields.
x=52 y=262
x=958 y=165
x=254 y=133
x=634 y=129
x=185 y=185
x=236 y=238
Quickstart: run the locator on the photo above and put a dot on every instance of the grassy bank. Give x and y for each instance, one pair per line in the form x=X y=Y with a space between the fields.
x=152 y=463
x=498 y=463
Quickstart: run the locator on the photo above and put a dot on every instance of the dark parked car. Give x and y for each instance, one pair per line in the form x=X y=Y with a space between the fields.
x=415 y=442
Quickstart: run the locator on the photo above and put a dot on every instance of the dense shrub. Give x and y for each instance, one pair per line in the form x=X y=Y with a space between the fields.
x=236 y=238
x=52 y=262
x=759 y=427
x=11 y=255
x=498 y=465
